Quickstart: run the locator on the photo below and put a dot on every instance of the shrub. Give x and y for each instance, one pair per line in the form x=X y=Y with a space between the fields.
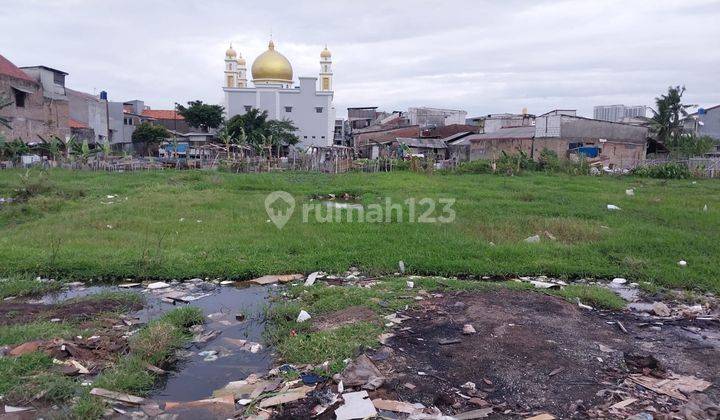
x=515 y=163
x=475 y=167
x=670 y=170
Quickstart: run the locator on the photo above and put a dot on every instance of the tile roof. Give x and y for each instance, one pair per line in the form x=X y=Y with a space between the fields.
x=9 y=69
x=77 y=124
x=163 y=114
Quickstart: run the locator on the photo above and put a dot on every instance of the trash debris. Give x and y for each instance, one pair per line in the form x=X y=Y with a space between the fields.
x=208 y=355
x=205 y=337
x=383 y=338
x=630 y=192
x=13 y=409
x=661 y=309
x=410 y=284
x=556 y=371
x=468 y=329
x=469 y=386
x=394 y=406
x=624 y=403
x=225 y=403
x=401 y=266
x=157 y=285
x=311 y=378
x=533 y=239
x=271 y=279
x=543 y=416
x=396 y=319
x=25 y=348
x=128 y=285
x=480 y=413
x=362 y=372
x=682 y=263
x=286 y=397
x=675 y=386
x=117 y=396
x=544 y=285
x=613 y=207
x=303 y=316
x=357 y=406
x=705 y=208
x=619 y=280
x=311 y=279
x=448 y=341
x=582 y=305
x=605 y=349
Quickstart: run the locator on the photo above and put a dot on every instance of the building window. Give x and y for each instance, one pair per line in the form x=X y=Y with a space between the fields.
x=313 y=136
x=248 y=108
x=318 y=109
x=304 y=137
x=288 y=109
x=20 y=98
x=59 y=79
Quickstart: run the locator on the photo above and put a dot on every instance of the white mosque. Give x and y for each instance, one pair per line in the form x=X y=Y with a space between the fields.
x=308 y=105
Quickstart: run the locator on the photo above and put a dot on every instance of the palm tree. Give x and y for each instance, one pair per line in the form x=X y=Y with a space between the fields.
x=666 y=122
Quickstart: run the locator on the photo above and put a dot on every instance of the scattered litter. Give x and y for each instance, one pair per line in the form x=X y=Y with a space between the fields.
x=12 y=409
x=705 y=208
x=394 y=406
x=409 y=386
x=208 y=355
x=468 y=329
x=605 y=349
x=682 y=263
x=362 y=372
x=556 y=371
x=480 y=413
x=410 y=284
x=157 y=285
x=676 y=386
x=544 y=285
x=357 y=406
x=661 y=309
x=128 y=285
x=226 y=402
x=630 y=192
x=205 y=337
x=623 y=403
x=311 y=279
x=401 y=265
x=383 y=338
x=543 y=416
x=117 y=396
x=226 y=282
x=286 y=397
x=613 y=207
x=25 y=348
x=303 y=316
x=533 y=239
x=448 y=341
x=582 y=305
x=469 y=386
x=311 y=378
x=271 y=279
x=396 y=319
x=619 y=280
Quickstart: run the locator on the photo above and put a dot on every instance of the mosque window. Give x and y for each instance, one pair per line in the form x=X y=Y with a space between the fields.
x=288 y=109
x=319 y=109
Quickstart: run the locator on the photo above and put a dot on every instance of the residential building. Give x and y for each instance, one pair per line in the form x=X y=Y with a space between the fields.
x=39 y=106
x=308 y=106
x=401 y=147
x=341 y=136
x=123 y=118
x=704 y=122
x=616 y=113
x=362 y=117
x=168 y=118
x=493 y=122
x=88 y=112
x=428 y=117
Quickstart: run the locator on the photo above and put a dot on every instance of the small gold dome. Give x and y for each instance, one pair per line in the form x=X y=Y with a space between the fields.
x=325 y=53
x=241 y=61
x=271 y=66
x=230 y=53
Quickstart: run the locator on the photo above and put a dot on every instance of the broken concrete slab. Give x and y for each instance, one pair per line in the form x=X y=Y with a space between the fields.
x=357 y=406
x=480 y=413
x=468 y=329
x=286 y=397
x=272 y=279
x=394 y=406
x=157 y=285
x=361 y=372
x=676 y=386
x=311 y=279
x=661 y=309
x=117 y=396
x=303 y=316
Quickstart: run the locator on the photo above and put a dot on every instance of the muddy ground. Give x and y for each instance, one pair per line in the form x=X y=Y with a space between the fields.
x=82 y=310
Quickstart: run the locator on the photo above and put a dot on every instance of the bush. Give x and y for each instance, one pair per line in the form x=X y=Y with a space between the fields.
x=475 y=167
x=515 y=163
x=670 y=170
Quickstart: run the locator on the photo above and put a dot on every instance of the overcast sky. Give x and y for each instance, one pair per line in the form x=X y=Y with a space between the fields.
x=484 y=57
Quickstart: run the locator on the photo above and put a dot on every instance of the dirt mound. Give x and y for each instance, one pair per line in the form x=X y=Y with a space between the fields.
x=81 y=310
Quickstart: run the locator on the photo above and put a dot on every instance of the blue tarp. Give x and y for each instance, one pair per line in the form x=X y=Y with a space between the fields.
x=590 y=151
x=181 y=148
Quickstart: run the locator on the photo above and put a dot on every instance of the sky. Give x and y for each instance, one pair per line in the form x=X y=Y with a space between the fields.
x=480 y=56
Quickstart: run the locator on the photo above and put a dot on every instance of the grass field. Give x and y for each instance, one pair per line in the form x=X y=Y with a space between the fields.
x=186 y=224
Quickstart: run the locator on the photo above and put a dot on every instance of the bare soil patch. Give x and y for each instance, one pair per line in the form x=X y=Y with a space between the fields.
x=343 y=317
x=82 y=310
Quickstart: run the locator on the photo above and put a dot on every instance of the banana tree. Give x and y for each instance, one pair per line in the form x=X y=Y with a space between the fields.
x=53 y=147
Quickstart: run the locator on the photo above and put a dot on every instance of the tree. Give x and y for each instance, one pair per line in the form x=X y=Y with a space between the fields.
x=690 y=145
x=666 y=122
x=202 y=116
x=13 y=150
x=261 y=133
x=148 y=134
x=53 y=147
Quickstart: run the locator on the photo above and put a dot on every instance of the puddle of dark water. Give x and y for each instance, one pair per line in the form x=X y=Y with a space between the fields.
x=193 y=378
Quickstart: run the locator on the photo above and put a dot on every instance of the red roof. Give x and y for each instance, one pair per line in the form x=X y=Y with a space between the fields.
x=163 y=114
x=9 y=69
x=77 y=124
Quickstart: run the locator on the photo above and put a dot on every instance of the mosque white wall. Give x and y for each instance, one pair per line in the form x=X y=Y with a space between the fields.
x=310 y=110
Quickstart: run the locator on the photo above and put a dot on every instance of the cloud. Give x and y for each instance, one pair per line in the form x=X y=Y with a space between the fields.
x=479 y=56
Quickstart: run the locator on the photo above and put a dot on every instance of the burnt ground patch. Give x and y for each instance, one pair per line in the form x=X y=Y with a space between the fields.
x=531 y=352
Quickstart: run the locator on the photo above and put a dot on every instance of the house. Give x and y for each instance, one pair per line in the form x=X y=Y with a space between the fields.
x=425 y=117
x=38 y=106
x=510 y=140
x=88 y=116
x=168 y=118
x=123 y=117
x=704 y=122
x=493 y=122
x=401 y=147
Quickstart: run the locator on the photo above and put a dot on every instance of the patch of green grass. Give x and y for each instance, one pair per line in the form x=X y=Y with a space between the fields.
x=125 y=299
x=596 y=296
x=14 y=371
x=660 y=225
x=54 y=387
x=89 y=407
x=20 y=333
x=21 y=286
x=154 y=344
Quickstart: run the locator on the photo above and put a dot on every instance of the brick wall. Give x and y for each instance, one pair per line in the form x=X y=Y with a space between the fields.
x=40 y=115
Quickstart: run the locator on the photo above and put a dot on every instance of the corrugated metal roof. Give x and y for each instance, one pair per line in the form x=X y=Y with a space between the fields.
x=526 y=132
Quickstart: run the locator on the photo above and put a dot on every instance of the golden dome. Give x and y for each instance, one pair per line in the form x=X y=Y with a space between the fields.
x=241 y=60
x=271 y=66
x=325 y=53
x=230 y=53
